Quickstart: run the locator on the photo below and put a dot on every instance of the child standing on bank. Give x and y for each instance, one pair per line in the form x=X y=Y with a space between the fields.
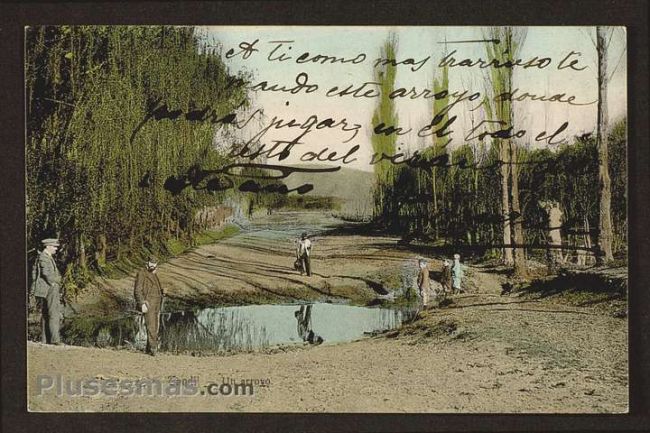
x=457 y=271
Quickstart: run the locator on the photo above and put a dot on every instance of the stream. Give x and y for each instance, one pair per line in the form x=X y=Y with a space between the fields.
x=240 y=328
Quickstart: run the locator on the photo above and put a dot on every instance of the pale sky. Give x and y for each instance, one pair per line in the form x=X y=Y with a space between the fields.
x=416 y=43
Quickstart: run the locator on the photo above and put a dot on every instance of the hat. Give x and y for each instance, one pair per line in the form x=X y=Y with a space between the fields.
x=50 y=242
x=304 y=235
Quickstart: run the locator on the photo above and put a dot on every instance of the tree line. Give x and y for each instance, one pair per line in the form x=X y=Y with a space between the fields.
x=493 y=196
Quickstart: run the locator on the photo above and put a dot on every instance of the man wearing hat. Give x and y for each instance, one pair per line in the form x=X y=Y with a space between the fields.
x=149 y=294
x=46 y=288
x=445 y=277
x=303 y=253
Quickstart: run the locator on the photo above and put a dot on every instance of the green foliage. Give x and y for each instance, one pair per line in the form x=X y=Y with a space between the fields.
x=174 y=246
x=469 y=198
x=618 y=174
x=95 y=167
x=211 y=236
x=385 y=113
x=500 y=79
x=74 y=279
x=440 y=107
x=170 y=248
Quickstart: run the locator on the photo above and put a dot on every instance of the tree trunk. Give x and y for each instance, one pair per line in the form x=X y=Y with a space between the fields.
x=516 y=216
x=554 y=229
x=604 y=247
x=82 y=251
x=435 y=202
x=100 y=251
x=505 y=204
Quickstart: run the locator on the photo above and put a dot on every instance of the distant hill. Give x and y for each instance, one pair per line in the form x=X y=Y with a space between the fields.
x=352 y=186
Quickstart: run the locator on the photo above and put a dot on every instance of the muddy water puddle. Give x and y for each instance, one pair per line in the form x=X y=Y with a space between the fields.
x=241 y=328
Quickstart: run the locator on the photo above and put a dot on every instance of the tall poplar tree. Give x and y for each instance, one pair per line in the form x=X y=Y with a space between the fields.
x=500 y=109
x=604 y=244
x=385 y=113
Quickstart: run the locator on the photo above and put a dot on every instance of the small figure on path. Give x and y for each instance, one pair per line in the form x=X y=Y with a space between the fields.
x=303 y=253
x=46 y=291
x=423 y=282
x=149 y=294
x=457 y=271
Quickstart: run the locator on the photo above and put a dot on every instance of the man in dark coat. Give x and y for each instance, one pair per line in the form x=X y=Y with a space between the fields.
x=46 y=289
x=148 y=293
x=445 y=277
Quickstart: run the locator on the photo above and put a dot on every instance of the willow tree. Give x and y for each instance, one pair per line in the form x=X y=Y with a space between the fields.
x=499 y=108
x=108 y=122
x=385 y=113
x=604 y=253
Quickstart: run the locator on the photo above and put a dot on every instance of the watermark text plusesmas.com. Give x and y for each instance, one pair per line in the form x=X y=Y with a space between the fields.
x=148 y=387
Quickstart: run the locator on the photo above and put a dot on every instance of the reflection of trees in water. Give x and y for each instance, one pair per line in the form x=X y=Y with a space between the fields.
x=211 y=329
x=389 y=319
x=102 y=332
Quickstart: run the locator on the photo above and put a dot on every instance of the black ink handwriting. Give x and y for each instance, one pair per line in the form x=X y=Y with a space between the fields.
x=220 y=179
x=535 y=62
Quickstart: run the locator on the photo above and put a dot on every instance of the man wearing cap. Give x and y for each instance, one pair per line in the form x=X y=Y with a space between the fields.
x=46 y=288
x=149 y=294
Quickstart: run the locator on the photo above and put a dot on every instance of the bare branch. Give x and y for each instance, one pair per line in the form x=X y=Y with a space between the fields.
x=593 y=41
x=623 y=51
x=611 y=33
x=57 y=101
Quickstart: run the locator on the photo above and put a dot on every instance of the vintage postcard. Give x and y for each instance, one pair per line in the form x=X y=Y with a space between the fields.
x=369 y=219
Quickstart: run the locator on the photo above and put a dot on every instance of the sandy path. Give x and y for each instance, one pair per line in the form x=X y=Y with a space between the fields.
x=256 y=266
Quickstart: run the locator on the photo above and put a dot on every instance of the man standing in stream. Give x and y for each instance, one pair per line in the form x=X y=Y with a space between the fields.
x=149 y=295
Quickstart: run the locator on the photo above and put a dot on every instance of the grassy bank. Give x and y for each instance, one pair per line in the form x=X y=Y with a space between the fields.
x=172 y=248
x=76 y=279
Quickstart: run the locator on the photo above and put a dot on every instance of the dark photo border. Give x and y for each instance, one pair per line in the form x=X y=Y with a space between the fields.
x=14 y=16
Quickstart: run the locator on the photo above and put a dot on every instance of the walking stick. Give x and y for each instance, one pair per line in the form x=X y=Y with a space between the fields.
x=160 y=315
